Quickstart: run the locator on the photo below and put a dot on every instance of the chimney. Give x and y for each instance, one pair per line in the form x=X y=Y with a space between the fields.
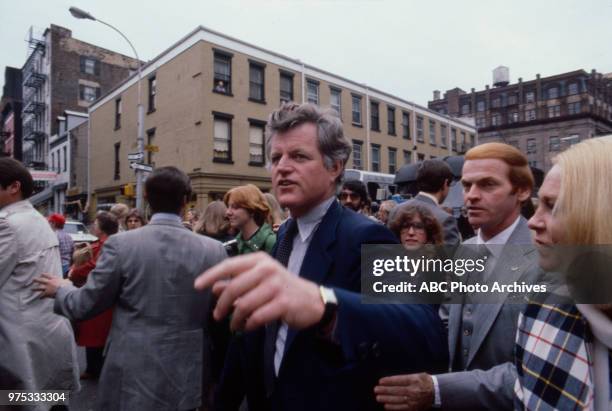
x=436 y=95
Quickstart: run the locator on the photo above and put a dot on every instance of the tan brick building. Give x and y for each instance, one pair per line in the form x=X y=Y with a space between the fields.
x=207 y=99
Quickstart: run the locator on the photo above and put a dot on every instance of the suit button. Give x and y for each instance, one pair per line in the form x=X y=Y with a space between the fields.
x=467 y=332
x=376 y=350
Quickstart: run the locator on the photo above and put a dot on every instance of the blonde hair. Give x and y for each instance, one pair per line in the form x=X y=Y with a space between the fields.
x=213 y=222
x=276 y=215
x=586 y=191
x=250 y=198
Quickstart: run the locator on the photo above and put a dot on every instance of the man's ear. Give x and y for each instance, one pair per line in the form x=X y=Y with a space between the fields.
x=336 y=169
x=14 y=187
x=523 y=194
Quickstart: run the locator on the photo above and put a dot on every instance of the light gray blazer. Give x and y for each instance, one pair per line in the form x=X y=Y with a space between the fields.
x=159 y=335
x=447 y=221
x=37 y=349
x=489 y=380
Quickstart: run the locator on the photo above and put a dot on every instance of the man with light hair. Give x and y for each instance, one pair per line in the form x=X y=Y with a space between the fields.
x=385 y=210
x=120 y=211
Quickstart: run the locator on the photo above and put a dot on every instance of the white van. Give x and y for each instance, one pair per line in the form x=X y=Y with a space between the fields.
x=379 y=185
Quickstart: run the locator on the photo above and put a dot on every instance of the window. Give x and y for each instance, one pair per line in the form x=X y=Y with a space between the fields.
x=573 y=108
x=572 y=139
x=420 y=157
x=374 y=117
x=375 y=157
x=312 y=91
x=419 y=127
x=531 y=146
x=481 y=122
x=150 y=143
x=118 y=113
x=65 y=149
x=496 y=102
x=513 y=117
x=465 y=109
x=533 y=164
x=495 y=119
x=392 y=160
x=443 y=136
x=391 y=120
x=152 y=93
x=53 y=165
x=222 y=81
x=405 y=125
x=90 y=65
x=117 y=161
x=554 y=111
x=356 y=108
x=530 y=115
x=472 y=140
x=512 y=99
x=256 y=142
x=454 y=139
x=572 y=89
x=463 y=141
x=222 y=138
x=553 y=92
x=357 y=146
x=407 y=157
x=88 y=93
x=357 y=164
x=554 y=143
x=480 y=106
x=286 y=87
x=336 y=100
x=432 y=132
x=256 y=82
x=514 y=144
x=529 y=97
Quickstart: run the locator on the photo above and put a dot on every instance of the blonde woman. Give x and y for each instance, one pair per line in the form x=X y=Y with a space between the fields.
x=213 y=222
x=276 y=216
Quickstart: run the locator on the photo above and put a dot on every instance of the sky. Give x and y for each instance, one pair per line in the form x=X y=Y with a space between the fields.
x=406 y=48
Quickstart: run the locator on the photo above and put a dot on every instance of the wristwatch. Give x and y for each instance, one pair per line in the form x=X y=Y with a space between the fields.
x=328 y=296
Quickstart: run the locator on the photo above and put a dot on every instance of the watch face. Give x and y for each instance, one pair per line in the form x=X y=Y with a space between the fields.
x=329 y=296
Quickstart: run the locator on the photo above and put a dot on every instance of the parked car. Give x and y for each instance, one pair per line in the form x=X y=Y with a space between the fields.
x=78 y=232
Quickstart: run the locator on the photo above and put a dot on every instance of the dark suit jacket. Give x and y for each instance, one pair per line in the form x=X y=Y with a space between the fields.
x=447 y=221
x=370 y=341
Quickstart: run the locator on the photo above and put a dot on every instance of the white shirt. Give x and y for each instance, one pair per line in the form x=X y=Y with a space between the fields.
x=307 y=225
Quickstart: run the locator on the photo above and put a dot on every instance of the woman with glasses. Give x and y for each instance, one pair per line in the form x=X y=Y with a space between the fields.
x=415 y=226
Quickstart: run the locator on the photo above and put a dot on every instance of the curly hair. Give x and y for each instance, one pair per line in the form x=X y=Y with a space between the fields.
x=250 y=198
x=406 y=214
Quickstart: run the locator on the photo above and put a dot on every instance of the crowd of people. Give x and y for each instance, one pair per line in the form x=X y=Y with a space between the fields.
x=254 y=302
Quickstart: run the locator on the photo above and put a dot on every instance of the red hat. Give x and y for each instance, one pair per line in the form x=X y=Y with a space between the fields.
x=57 y=219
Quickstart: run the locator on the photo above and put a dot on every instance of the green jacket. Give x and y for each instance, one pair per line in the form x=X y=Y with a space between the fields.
x=263 y=240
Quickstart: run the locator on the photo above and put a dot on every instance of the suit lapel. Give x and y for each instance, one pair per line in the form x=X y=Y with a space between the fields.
x=454 y=324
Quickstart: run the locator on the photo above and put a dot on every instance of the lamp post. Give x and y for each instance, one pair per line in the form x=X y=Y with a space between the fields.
x=81 y=14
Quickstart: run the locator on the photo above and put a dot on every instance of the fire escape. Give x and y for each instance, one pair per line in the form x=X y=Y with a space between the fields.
x=34 y=107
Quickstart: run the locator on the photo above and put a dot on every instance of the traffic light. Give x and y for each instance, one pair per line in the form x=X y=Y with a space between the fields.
x=127 y=190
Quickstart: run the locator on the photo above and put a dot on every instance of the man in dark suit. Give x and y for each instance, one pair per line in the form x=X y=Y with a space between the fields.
x=433 y=180
x=321 y=349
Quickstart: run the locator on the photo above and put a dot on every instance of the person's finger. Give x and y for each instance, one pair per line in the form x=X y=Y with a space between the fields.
x=391 y=399
x=230 y=267
x=390 y=390
x=219 y=286
x=271 y=311
x=40 y=280
x=252 y=300
x=398 y=380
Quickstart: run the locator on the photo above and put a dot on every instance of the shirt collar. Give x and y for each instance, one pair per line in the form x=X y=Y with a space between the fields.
x=166 y=217
x=423 y=193
x=308 y=222
x=500 y=238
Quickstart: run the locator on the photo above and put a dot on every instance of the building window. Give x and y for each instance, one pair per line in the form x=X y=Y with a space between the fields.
x=256 y=142
x=553 y=92
x=529 y=97
x=222 y=81
x=572 y=89
x=554 y=111
x=407 y=157
x=336 y=100
x=573 y=108
x=88 y=93
x=572 y=139
x=419 y=127
x=90 y=65
x=420 y=157
x=357 y=164
x=391 y=120
x=117 y=161
x=375 y=157
x=152 y=93
x=374 y=116
x=356 y=109
x=465 y=109
x=286 y=87
x=480 y=106
x=392 y=160
x=514 y=144
x=554 y=143
x=118 y=113
x=65 y=149
x=531 y=146
x=443 y=136
x=472 y=140
x=496 y=102
x=222 y=138
x=53 y=165
x=513 y=117
x=432 y=132
x=481 y=122
x=312 y=91
x=463 y=142
x=256 y=82
x=496 y=119
x=405 y=125
x=512 y=99
x=453 y=139
x=530 y=115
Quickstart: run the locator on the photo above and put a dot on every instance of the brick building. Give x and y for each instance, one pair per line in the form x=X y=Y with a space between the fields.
x=10 y=114
x=208 y=97
x=541 y=117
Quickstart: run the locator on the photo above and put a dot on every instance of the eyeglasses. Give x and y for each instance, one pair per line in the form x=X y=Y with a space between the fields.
x=414 y=226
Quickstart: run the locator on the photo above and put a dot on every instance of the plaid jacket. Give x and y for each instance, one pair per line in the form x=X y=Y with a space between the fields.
x=553 y=359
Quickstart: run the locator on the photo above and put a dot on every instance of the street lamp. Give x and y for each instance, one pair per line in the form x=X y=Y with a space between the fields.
x=82 y=14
